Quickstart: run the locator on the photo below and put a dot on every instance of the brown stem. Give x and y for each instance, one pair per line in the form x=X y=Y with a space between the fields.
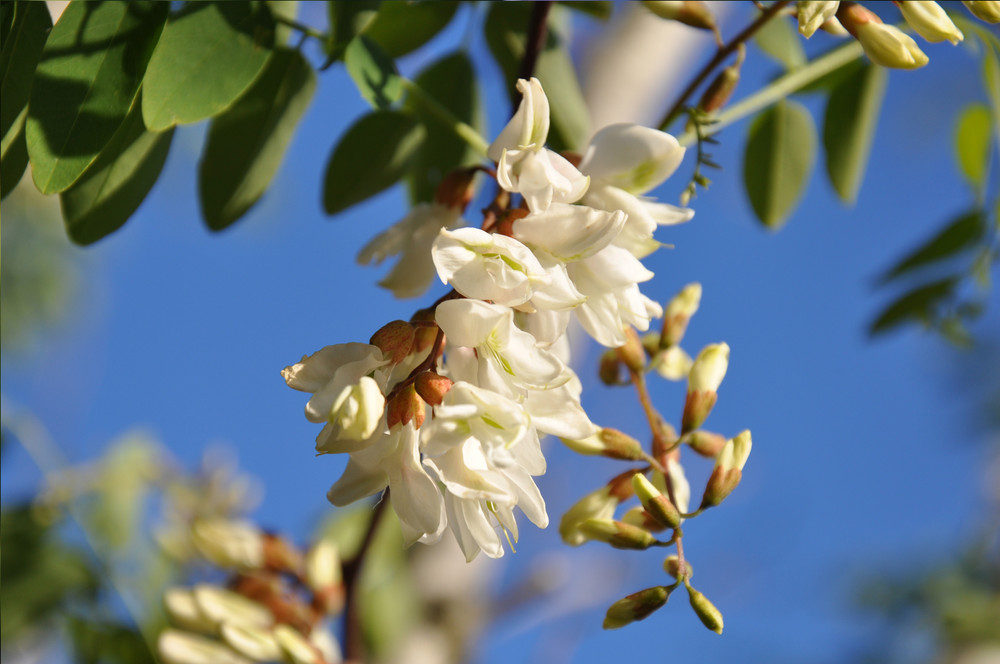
x=537 y=29
x=354 y=646
x=720 y=56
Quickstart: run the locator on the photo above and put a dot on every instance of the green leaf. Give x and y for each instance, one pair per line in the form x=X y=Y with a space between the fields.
x=452 y=82
x=849 y=127
x=207 y=57
x=991 y=81
x=372 y=155
x=22 y=48
x=402 y=26
x=917 y=304
x=599 y=9
x=960 y=234
x=972 y=144
x=99 y=641
x=246 y=143
x=287 y=9
x=347 y=21
x=88 y=76
x=780 y=154
x=373 y=71
x=505 y=27
x=780 y=40
x=114 y=186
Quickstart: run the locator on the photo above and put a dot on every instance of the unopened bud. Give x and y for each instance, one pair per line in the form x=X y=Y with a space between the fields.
x=177 y=647
x=812 y=15
x=295 y=648
x=218 y=605
x=673 y=363
x=884 y=45
x=706 y=375
x=705 y=610
x=254 y=642
x=182 y=611
x=632 y=353
x=694 y=14
x=599 y=504
x=984 y=10
x=677 y=314
x=706 y=443
x=324 y=577
x=672 y=566
x=405 y=407
x=618 y=534
x=293 y=611
x=229 y=543
x=395 y=340
x=654 y=502
x=432 y=387
x=720 y=90
x=281 y=555
x=637 y=516
x=620 y=445
x=610 y=368
x=930 y=21
x=728 y=470
x=423 y=339
x=455 y=190
x=635 y=607
x=505 y=224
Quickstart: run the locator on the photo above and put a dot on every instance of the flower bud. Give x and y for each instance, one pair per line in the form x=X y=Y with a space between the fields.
x=673 y=363
x=610 y=368
x=295 y=648
x=432 y=387
x=394 y=340
x=177 y=647
x=323 y=575
x=930 y=21
x=618 y=534
x=636 y=606
x=620 y=445
x=721 y=89
x=705 y=443
x=884 y=45
x=405 y=407
x=280 y=555
x=704 y=379
x=254 y=642
x=984 y=10
x=812 y=15
x=229 y=543
x=632 y=354
x=218 y=605
x=182 y=611
x=598 y=504
x=728 y=470
x=705 y=610
x=654 y=502
x=694 y=14
x=637 y=516
x=677 y=314
x=455 y=189
x=672 y=566
x=357 y=410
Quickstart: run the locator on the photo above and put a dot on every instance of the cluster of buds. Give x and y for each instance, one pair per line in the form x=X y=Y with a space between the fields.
x=446 y=411
x=887 y=45
x=272 y=608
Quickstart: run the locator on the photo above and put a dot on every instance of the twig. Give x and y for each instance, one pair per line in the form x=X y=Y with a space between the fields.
x=722 y=54
x=537 y=31
x=354 y=647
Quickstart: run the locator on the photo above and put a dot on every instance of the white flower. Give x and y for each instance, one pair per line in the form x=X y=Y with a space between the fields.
x=930 y=21
x=814 y=14
x=507 y=358
x=529 y=127
x=489 y=266
x=411 y=238
x=623 y=162
x=229 y=542
x=347 y=382
x=393 y=460
x=569 y=232
x=177 y=647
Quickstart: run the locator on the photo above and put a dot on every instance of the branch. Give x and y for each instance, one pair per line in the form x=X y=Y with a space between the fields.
x=354 y=646
x=720 y=56
x=537 y=30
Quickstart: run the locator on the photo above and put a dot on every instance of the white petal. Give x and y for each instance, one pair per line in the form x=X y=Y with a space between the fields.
x=632 y=157
x=415 y=497
x=357 y=482
x=569 y=232
x=529 y=127
x=470 y=322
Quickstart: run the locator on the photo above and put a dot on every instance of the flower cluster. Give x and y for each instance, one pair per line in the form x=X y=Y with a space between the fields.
x=490 y=359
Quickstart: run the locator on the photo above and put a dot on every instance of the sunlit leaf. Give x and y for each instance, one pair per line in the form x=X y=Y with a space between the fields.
x=246 y=144
x=347 y=20
x=286 y=9
x=918 y=305
x=780 y=154
x=452 y=82
x=208 y=55
x=373 y=71
x=849 y=127
x=402 y=26
x=114 y=186
x=972 y=143
x=87 y=78
x=962 y=233
x=22 y=47
x=505 y=28
x=372 y=155
x=780 y=40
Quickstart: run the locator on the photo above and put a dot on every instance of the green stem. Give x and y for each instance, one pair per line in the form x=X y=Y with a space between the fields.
x=780 y=89
x=304 y=29
x=461 y=129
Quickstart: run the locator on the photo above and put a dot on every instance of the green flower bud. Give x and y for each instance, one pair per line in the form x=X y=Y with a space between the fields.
x=705 y=610
x=618 y=534
x=636 y=606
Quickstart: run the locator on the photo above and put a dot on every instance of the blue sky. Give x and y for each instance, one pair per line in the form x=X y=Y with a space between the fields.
x=860 y=453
